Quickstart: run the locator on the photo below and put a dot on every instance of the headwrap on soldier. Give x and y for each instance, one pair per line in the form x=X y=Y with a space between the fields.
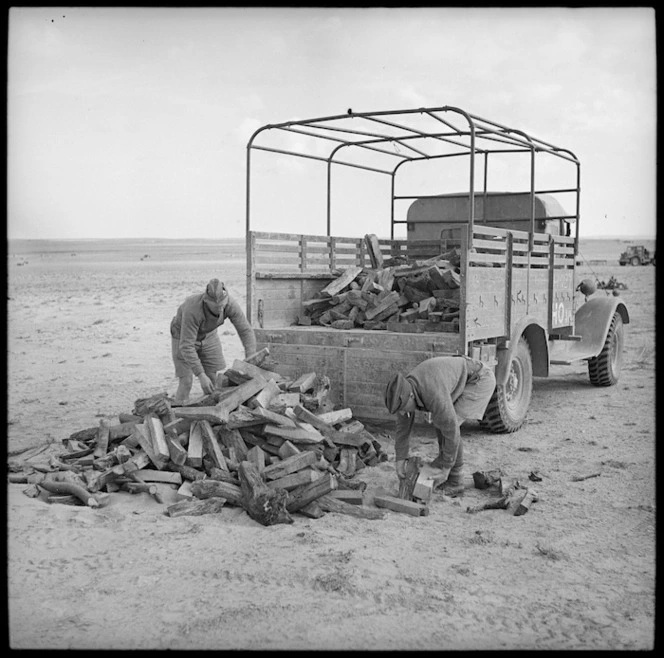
x=397 y=393
x=216 y=291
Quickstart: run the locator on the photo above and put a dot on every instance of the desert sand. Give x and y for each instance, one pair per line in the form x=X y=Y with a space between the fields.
x=88 y=335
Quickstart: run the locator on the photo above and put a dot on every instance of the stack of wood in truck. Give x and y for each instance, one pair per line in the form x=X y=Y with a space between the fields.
x=418 y=296
x=262 y=442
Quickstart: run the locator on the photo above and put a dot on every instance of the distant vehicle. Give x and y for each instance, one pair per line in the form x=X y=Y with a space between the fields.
x=637 y=255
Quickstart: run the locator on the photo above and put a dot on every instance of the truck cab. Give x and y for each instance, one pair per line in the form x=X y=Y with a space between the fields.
x=431 y=217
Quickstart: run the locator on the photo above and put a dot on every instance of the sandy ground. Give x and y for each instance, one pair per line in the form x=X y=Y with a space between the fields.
x=88 y=335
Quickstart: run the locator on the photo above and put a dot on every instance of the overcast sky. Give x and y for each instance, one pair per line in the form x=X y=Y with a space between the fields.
x=133 y=122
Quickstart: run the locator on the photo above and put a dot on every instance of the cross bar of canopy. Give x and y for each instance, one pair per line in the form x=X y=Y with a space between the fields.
x=397 y=137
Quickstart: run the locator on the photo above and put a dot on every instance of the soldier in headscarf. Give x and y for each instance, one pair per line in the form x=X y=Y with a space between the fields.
x=196 y=347
x=452 y=389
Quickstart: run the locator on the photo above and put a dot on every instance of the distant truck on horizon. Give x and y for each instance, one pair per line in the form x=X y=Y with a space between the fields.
x=637 y=255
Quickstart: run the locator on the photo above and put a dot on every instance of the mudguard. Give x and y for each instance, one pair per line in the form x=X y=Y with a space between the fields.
x=591 y=322
x=533 y=331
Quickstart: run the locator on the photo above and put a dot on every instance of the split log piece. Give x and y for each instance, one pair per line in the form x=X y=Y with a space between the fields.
x=195 y=448
x=288 y=449
x=330 y=504
x=290 y=465
x=211 y=445
x=102 y=439
x=257 y=457
x=294 y=480
x=177 y=452
x=305 y=494
x=530 y=497
x=341 y=282
x=350 y=496
x=399 y=505
x=406 y=486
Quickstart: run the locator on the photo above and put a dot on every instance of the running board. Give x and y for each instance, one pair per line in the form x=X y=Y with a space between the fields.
x=566 y=352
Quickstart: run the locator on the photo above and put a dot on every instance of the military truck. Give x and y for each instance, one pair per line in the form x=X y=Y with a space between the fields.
x=637 y=255
x=519 y=310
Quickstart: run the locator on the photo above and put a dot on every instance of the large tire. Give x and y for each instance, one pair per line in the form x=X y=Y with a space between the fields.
x=635 y=261
x=508 y=407
x=604 y=369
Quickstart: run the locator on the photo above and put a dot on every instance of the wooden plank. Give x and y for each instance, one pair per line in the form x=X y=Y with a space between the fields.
x=294 y=480
x=290 y=465
x=211 y=445
x=402 y=506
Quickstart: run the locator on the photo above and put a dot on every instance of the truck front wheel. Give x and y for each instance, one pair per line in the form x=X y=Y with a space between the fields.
x=604 y=369
x=507 y=409
x=635 y=261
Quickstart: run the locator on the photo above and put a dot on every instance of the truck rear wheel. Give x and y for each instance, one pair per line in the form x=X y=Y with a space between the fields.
x=604 y=369
x=507 y=409
x=635 y=261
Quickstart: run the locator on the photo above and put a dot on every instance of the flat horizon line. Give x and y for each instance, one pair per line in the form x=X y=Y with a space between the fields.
x=243 y=238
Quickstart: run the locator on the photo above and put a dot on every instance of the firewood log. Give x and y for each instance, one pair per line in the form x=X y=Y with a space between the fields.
x=265 y=505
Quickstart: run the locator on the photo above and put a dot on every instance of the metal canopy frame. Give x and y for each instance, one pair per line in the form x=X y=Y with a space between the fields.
x=402 y=136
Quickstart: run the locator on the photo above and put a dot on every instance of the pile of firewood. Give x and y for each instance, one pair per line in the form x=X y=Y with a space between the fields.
x=422 y=295
x=261 y=441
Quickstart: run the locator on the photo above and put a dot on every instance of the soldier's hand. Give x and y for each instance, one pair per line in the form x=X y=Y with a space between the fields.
x=400 y=466
x=206 y=383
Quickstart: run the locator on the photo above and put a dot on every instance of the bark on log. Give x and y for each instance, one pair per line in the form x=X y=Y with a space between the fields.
x=196 y=507
x=188 y=472
x=215 y=488
x=263 y=504
x=63 y=488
